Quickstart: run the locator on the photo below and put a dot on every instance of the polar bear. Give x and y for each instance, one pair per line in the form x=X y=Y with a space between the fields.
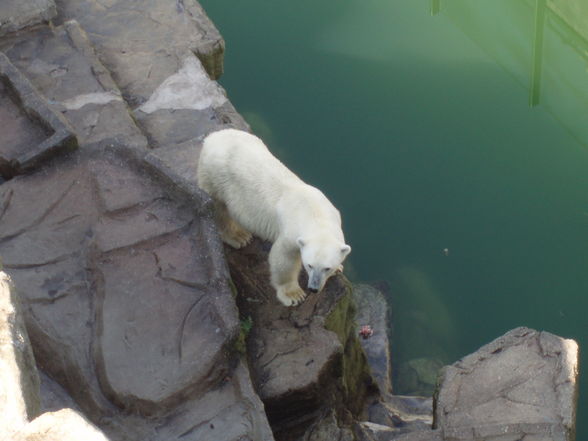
x=254 y=193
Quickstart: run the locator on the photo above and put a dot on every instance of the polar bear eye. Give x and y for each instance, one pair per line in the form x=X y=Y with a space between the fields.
x=327 y=269
x=310 y=266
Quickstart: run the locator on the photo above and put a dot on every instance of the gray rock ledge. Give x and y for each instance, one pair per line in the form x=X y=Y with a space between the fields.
x=521 y=385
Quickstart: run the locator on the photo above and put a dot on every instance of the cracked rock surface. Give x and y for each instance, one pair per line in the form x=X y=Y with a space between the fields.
x=523 y=385
x=95 y=270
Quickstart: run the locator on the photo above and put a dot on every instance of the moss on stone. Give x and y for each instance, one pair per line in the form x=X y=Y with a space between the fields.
x=355 y=376
x=240 y=344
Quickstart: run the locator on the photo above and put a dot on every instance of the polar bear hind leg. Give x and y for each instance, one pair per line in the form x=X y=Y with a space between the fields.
x=230 y=230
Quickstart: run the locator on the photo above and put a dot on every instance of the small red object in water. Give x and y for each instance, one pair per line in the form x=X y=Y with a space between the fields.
x=366 y=331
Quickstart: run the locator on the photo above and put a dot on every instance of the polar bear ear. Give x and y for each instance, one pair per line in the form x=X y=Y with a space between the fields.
x=345 y=250
x=300 y=242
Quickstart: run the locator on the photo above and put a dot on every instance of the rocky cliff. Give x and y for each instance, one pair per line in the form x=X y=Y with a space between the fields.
x=126 y=318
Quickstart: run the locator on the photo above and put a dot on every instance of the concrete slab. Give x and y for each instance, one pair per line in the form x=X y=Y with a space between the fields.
x=32 y=131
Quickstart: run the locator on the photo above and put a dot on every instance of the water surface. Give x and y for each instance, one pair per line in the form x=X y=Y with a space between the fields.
x=454 y=144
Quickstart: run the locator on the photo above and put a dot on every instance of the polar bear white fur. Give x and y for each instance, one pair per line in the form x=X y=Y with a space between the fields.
x=254 y=193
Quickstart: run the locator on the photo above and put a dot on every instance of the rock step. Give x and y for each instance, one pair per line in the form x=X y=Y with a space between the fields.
x=164 y=56
x=60 y=62
x=32 y=131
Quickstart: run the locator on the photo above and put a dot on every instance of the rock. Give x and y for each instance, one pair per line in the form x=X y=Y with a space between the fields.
x=140 y=40
x=372 y=310
x=63 y=425
x=402 y=413
x=19 y=381
x=53 y=396
x=522 y=385
x=32 y=131
x=153 y=49
x=304 y=360
x=327 y=428
x=18 y=14
x=95 y=267
x=366 y=431
x=65 y=69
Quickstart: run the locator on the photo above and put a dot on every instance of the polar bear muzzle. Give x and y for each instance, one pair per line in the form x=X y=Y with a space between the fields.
x=315 y=281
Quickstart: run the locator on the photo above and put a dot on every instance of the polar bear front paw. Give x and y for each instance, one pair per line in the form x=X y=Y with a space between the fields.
x=237 y=238
x=291 y=297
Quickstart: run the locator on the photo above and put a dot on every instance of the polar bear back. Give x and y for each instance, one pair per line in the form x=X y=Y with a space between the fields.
x=237 y=168
x=260 y=192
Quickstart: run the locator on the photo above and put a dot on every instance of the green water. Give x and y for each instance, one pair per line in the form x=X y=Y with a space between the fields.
x=418 y=127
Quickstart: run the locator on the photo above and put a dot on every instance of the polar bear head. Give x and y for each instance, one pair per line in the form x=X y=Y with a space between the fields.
x=321 y=257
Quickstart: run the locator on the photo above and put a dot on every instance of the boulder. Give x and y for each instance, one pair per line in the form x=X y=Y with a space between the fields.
x=19 y=380
x=522 y=385
x=305 y=361
x=63 y=425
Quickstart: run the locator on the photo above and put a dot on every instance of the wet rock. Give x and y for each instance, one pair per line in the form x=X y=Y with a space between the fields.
x=18 y=14
x=304 y=360
x=522 y=385
x=62 y=65
x=372 y=310
x=62 y=425
x=19 y=381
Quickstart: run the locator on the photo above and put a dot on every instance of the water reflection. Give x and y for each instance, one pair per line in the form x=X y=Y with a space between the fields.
x=542 y=43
